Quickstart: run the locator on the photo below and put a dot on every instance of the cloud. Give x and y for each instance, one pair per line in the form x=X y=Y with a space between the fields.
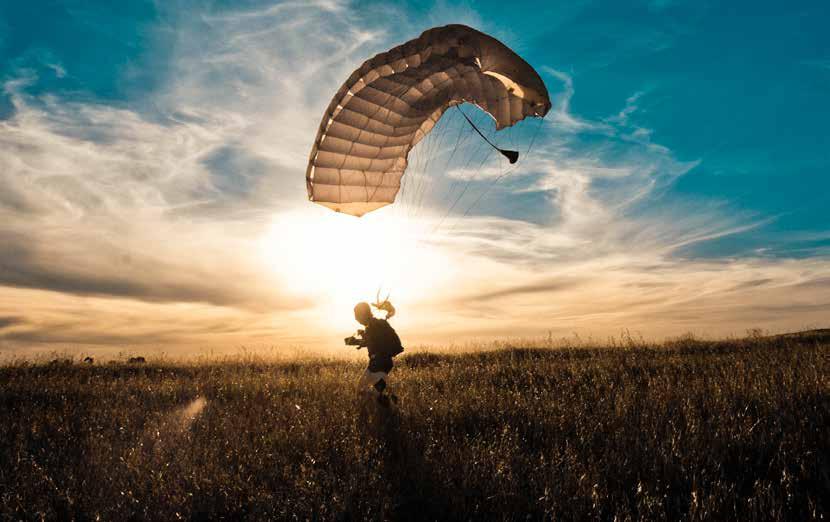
x=549 y=288
x=158 y=205
x=560 y=114
x=59 y=71
x=88 y=265
x=7 y=321
x=142 y=223
x=57 y=320
x=616 y=254
x=623 y=117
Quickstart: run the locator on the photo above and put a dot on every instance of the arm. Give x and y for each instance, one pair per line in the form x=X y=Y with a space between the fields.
x=359 y=341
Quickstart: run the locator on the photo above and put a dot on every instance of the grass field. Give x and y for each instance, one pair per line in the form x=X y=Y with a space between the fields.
x=689 y=430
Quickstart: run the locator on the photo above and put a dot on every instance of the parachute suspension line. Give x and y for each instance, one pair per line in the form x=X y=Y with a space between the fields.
x=428 y=150
x=454 y=197
x=472 y=178
x=474 y=154
x=436 y=138
x=458 y=142
x=463 y=191
x=497 y=179
x=511 y=155
x=465 y=152
x=416 y=173
x=413 y=172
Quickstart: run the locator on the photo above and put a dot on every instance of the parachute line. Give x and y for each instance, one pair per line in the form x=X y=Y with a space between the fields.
x=463 y=191
x=497 y=179
x=455 y=182
x=511 y=155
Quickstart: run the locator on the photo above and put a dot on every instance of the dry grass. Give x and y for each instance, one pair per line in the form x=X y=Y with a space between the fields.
x=690 y=430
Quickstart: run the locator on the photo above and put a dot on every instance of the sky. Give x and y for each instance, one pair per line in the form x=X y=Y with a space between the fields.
x=153 y=155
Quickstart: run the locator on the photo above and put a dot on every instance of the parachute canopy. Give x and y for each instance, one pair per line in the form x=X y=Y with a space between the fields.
x=395 y=99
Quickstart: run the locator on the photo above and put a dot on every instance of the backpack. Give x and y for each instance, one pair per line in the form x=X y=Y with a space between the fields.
x=387 y=339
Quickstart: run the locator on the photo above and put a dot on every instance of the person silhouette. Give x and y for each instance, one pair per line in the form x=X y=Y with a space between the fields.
x=382 y=343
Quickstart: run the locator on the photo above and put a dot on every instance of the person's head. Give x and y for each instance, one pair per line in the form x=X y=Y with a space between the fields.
x=362 y=313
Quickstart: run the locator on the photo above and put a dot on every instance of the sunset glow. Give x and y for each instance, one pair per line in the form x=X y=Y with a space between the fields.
x=338 y=260
x=157 y=200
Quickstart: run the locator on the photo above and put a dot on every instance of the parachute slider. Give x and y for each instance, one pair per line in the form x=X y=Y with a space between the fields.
x=511 y=155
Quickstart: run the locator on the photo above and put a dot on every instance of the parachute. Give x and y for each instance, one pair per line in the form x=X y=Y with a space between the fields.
x=393 y=101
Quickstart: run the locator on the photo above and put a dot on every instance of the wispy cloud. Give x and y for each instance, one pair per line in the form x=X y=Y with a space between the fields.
x=167 y=205
x=224 y=141
x=561 y=114
x=8 y=321
x=142 y=223
x=613 y=256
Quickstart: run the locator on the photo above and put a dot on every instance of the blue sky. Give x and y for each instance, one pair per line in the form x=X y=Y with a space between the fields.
x=740 y=88
x=689 y=136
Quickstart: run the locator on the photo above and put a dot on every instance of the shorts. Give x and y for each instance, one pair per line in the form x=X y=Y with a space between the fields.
x=380 y=363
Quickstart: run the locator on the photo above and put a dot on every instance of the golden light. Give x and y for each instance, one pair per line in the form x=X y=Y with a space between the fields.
x=339 y=260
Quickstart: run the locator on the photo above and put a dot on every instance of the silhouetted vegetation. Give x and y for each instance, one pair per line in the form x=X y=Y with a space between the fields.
x=688 y=430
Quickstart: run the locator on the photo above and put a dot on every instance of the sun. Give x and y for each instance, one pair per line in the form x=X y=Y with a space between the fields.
x=339 y=260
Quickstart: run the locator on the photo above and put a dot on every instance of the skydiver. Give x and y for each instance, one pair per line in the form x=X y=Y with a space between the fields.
x=382 y=343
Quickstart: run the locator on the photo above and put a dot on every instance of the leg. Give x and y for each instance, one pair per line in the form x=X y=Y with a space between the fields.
x=368 y=379
x=383 y=399
x=381 y=365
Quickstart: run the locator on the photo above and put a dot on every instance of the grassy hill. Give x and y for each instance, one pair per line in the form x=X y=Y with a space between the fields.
x=691 y=430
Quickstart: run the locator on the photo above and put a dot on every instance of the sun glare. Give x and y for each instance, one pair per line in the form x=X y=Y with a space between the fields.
x=339 y=259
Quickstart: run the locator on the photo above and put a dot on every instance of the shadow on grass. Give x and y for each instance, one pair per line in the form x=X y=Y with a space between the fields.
x=412 y=487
